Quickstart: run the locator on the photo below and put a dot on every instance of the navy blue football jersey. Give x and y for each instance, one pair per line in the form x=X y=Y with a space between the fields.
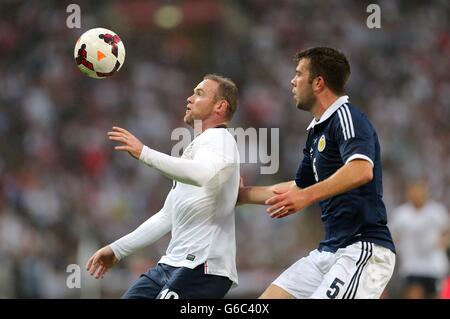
x=342 y=134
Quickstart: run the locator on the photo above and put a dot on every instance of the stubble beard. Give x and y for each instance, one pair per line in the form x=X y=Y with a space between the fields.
x=189 y=119
x=307 y=103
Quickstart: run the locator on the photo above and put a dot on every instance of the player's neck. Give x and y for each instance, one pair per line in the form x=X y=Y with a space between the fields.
x=206 y=124
x=324 y=101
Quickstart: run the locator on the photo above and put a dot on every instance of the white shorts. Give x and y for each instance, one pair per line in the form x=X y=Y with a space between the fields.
x=361 y=270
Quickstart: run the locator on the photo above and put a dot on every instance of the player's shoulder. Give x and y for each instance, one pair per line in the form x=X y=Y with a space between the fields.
x=354 y=112
x=351 y=117
x=217 y=136
x=402 y=209
x=219 y=132
x=435 y=204
x=221 y=143
x=400 y=215
x=437 y=207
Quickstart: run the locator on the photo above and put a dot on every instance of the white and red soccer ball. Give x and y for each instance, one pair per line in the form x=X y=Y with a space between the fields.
x=99 y=53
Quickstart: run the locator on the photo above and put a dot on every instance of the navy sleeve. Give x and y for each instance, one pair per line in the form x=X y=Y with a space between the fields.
x=354 y=135
x=305 y=173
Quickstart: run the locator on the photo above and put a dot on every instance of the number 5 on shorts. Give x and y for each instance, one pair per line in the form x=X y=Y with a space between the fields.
x=334 y=288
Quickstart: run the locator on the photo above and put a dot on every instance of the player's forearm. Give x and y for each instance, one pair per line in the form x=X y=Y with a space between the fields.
x=182 y=170
x=150 y=231
x=254 y=194
x=259 y=194
x=352 y=175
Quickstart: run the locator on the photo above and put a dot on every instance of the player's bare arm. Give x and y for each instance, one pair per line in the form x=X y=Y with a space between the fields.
x=259 y=194
x=131 y=143
x=348 y=177
x=101 y=261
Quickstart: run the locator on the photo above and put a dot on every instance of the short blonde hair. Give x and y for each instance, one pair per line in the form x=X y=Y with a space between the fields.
x=227 y=90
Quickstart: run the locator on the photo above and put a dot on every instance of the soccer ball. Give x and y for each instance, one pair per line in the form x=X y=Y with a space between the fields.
x=99 y=53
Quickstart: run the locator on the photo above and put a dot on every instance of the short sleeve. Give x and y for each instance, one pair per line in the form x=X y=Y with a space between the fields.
x=354 y=135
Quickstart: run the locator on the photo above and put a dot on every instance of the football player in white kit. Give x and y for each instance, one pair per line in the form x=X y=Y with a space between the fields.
x=200 y=261
x=421 y=228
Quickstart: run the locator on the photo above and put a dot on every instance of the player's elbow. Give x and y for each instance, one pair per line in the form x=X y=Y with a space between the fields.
x=362 y=172
x=200 y=181
x=201 y=176
x=194 y=182
x=366 y=175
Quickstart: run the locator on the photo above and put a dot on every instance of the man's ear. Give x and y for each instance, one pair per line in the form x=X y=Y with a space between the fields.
x=319 y=83
x=221 y=107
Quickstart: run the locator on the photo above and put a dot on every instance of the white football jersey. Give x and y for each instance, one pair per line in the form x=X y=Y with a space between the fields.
x=418 y=233
x=203 y=223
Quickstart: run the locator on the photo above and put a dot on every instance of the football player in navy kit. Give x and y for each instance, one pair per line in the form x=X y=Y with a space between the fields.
x=340 y=170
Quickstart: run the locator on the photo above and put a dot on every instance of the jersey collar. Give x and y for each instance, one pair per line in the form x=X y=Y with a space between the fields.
x=329 y=111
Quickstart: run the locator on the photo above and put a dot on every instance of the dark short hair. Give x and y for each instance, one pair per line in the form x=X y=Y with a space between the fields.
x=329 y=63
x=227 y=90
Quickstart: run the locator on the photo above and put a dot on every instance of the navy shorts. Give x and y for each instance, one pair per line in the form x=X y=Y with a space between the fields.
x=167 y=282
x=428 y=284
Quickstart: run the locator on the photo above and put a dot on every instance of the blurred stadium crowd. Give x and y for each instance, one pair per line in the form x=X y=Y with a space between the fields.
x=64 y=192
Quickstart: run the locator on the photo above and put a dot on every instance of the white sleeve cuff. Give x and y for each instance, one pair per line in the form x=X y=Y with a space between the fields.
x=359 y=156
x=116 y=250
x=145 y=154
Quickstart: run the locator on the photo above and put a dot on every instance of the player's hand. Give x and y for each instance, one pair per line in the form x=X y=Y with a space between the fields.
x=131 y=143
x=287 y=203
x=101 y=262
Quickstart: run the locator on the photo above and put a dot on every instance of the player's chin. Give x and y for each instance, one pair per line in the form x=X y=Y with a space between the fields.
x=302 y=106
x=188 y=119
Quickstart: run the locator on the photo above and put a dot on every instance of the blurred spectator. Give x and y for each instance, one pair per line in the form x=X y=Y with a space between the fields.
x=421 y=229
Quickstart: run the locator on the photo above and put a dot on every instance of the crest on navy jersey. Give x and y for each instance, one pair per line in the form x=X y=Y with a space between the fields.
x=322 y=143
